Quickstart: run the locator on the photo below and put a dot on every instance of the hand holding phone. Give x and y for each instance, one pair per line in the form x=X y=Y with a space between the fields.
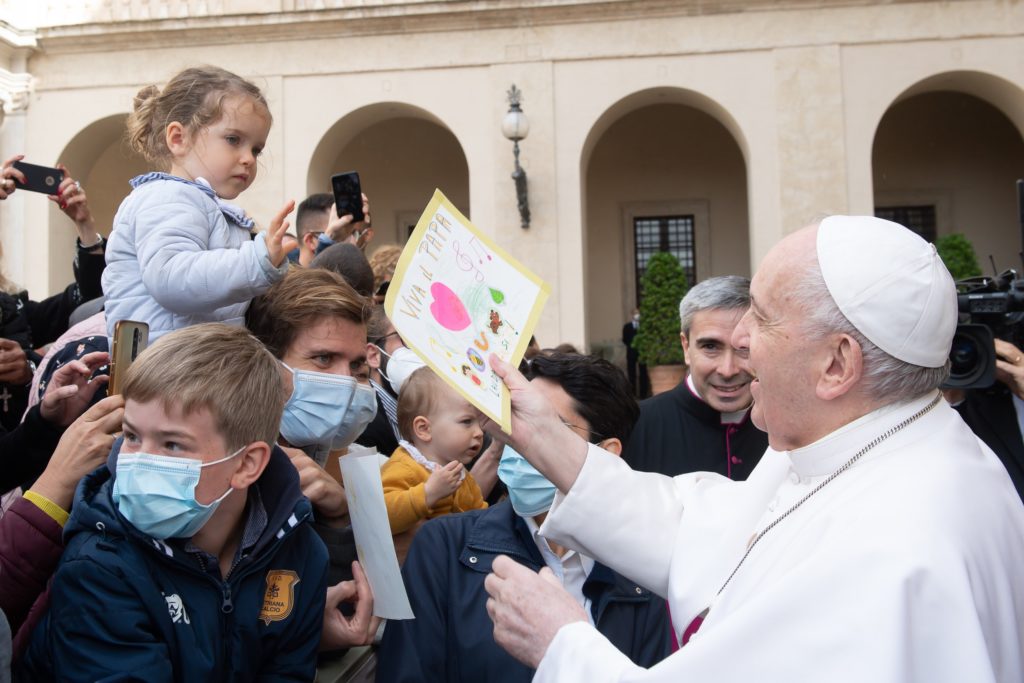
x=348 y=195
x=8 y=176
x=43 y=179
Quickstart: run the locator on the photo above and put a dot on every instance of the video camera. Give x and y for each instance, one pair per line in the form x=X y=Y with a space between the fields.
x=989 y=308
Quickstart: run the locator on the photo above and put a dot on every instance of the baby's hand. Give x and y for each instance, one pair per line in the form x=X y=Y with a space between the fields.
x=275 y=235
x=442 y=482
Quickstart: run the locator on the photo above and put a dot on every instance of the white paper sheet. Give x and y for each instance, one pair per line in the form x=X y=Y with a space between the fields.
x=374 y=546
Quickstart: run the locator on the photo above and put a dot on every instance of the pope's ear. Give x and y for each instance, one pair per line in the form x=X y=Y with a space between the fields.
x=612 y=445
x=843 y=368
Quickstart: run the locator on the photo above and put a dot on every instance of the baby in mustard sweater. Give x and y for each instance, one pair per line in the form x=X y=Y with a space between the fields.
x=426 y=476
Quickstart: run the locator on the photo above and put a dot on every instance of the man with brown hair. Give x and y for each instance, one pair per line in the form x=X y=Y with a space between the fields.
x=189 y=556
x=313 y=322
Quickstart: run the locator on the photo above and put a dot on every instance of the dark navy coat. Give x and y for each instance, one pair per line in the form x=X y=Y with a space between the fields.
x=127 y=607
x=452 y=637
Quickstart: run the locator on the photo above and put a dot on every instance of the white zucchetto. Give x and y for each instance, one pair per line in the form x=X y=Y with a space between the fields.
x=891 y=285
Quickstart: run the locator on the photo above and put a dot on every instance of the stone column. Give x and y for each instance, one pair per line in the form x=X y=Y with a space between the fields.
x=812 y=155
x=15 y=89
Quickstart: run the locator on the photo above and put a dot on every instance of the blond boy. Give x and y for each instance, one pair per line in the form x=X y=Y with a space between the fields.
x=189 y=555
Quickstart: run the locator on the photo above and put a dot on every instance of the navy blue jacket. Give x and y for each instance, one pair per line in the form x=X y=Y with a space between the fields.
x=452 y=637
x=125 y=606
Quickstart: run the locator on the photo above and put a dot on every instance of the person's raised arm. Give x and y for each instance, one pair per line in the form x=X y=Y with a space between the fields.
x=537 y=433
x=72 y=201
x=184 y=275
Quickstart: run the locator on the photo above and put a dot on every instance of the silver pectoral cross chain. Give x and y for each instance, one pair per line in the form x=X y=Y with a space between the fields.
x=849 y=463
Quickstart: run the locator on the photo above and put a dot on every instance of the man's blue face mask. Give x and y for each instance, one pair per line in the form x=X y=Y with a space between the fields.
x=530 y=492
x=326 y=410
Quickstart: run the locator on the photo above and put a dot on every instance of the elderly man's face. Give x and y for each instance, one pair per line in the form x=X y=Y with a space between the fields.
x=782 y=361
x=719 y=370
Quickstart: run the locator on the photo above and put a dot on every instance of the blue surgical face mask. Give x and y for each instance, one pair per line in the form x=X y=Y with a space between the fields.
x=326 y=410
x=157 y=493
x=361 y=411
x=530 y=492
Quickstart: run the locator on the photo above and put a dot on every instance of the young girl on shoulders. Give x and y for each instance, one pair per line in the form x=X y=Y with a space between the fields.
x=178 y=253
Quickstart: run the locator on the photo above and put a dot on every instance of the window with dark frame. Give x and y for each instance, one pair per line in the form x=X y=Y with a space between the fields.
x=673 y=234
x=920 y=219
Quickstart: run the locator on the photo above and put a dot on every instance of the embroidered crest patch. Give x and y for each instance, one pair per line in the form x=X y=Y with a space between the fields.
x=280 y=596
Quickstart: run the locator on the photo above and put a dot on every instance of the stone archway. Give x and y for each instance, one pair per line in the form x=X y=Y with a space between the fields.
x=100 y=158
x=402 y=153
x=945 y=159
x=660 y=168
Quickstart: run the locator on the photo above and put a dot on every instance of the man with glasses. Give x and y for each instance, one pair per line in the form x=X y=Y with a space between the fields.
x=382 y=342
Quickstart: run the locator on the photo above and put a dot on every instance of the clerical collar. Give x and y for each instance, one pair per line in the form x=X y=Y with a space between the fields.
x=726 y=418
x=828 y=453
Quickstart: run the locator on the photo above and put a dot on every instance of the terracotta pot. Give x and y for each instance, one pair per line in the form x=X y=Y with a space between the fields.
x=665 y=377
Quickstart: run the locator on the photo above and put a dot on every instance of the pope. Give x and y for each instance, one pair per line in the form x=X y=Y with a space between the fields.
x=877 y=540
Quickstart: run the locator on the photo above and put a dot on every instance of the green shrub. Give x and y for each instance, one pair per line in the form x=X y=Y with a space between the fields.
x=956 y=252
x=662 y=288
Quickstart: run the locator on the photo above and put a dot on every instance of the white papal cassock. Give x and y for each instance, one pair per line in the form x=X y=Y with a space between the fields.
x=909 y=566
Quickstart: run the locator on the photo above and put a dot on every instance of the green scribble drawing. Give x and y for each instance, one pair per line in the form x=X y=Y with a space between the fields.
x=477 y=300
x=497 y=296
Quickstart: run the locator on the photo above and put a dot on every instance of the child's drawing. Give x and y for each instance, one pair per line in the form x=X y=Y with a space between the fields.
x=456 y=289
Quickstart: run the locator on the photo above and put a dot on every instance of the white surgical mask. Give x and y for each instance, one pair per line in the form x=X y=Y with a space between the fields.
x=401 y=364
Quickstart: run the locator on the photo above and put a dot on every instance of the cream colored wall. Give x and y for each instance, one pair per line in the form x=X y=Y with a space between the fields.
x=961 y=154
x=656 y=154
x=107 y=181
x=800 y=88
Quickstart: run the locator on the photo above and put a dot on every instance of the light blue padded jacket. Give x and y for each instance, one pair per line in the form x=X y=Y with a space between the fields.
x=178 y=256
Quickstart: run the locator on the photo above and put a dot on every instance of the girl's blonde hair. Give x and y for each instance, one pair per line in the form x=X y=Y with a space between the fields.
x=194 y=98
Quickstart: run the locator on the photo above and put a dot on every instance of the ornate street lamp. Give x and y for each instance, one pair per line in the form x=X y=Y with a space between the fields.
x=515 y=126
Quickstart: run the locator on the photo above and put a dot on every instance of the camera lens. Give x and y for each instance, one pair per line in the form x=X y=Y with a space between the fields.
x=972 y=358
x=963 y=356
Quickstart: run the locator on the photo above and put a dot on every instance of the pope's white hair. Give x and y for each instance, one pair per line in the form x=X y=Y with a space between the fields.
x=885 y=378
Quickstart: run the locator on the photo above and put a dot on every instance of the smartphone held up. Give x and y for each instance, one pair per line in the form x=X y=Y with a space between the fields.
x=130 y=339
x=348 y=195
x=42 y=179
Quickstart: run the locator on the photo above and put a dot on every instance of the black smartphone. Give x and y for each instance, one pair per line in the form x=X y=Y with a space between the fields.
x=348 y=195
x=130 y=339
x=39 y=178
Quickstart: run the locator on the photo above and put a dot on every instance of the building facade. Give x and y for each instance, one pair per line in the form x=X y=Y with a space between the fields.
x=708 y=127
